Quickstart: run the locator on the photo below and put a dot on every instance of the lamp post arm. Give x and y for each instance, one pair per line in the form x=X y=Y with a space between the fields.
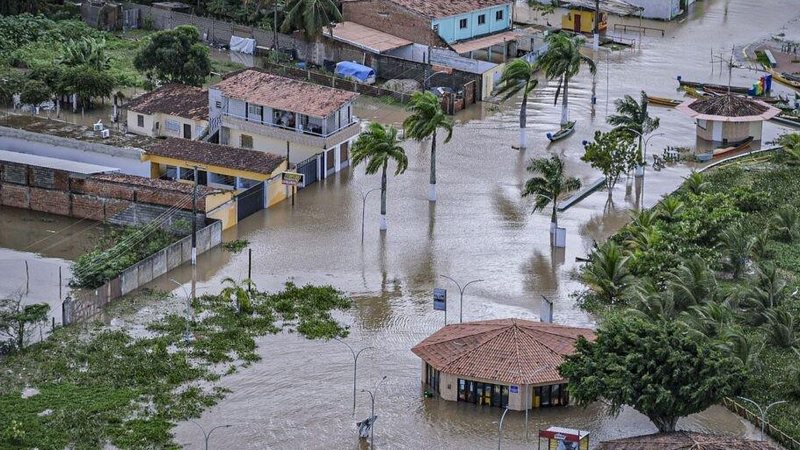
x=454 y=281
x=760 y=410
x=473 y=281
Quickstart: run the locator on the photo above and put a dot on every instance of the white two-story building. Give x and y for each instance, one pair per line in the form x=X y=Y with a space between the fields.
x=313 y=125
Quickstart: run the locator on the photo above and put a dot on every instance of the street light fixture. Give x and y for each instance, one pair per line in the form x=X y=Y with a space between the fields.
x=461 y=291
x=763 y=411
x=363 y=209
x=372 y=395
x=208 y=435
x=500 y=428
x=640 y=169
x=355 y=365
x=187 y=335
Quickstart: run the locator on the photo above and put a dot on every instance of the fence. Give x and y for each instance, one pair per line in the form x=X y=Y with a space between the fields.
x=779 y=436
x=86 y=304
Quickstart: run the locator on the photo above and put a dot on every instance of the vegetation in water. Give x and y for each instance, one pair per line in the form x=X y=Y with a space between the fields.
x=98 y=386
x=236 y=246
x=719 y=256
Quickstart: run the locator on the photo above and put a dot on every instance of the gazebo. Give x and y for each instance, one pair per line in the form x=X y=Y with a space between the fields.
x=684 y=440
x=505 y=362
x=728 y=118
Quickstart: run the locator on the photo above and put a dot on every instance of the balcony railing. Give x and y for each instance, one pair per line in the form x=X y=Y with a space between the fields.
x=305 y=137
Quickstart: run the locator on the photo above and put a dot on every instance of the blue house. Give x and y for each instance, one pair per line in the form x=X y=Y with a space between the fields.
x=472 y=24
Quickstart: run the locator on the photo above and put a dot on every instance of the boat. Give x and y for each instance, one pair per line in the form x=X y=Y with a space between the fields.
x=565 y=131
x=714 y=87
x=741 y=145
x=663 y=101
x=785 y=119
x=723 y=91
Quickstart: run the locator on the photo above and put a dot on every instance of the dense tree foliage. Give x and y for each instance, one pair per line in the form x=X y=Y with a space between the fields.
x=613 y=154
x=17 y=321
x=175 y=56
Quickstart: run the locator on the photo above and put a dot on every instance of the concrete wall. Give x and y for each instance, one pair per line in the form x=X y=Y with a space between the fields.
x=658 y=9
x=155 y=125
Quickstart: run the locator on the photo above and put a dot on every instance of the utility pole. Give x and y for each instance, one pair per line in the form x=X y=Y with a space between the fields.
x=194 y=239
x=596 y=43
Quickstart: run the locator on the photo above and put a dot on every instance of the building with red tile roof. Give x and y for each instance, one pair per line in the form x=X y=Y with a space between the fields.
x=499 y=362
x=173 y=110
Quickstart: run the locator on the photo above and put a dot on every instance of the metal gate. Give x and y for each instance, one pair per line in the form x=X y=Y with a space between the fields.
x=130 y=19
x=309 y=169
x=250 y=201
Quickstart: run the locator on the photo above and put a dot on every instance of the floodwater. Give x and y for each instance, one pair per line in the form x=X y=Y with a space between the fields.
x=299 y=395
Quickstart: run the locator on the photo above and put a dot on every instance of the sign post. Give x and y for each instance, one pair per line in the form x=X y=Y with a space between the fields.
x=440 y=301
x=293 y=179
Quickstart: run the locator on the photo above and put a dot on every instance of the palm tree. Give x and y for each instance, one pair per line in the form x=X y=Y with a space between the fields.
x=785 y=222
x=549 y=185
x=607 y=274
x=696 y=183
x=426 y=118
x=670 y=209
x=518 y=76
x=377 y=146
x=632 y=116
x=737 y=246
x=86 y=52
x=562 y=61
x=783 y=328
x=692 y=283
x=791 y=146
x=311 y=16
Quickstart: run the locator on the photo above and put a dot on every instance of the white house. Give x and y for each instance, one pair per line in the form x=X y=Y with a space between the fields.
x=173 y=110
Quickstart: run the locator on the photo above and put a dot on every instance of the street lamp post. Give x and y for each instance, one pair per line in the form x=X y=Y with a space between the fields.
x=500 y=428
x=208 y=435
x=640 y=170
x=372 y=395
x=763 y=411
x=187 y=335
x=363 y=209
x=461 y=291
x=355 y=365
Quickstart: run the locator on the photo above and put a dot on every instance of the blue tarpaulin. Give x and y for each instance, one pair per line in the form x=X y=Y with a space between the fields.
x=356 y=72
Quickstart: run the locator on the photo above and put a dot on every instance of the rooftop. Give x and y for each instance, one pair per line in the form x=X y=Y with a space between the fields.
x=505 y=350
x=82 y=133
x=435 y=9
x=681 y=440
x=728 y=108
x=367 y=38
x=265 y=89
x=161 y=185
x=54 y=163
x=174 y=99
x=216 y=155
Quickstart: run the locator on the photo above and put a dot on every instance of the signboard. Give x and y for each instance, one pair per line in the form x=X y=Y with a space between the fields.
x=514 y=389
x=440 y=299
x=293 y=179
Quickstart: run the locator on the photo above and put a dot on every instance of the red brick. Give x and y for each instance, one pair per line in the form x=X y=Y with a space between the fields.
x=87 y=207
x=49 y=201
x=391 y=18
x=113 y=207
x=15 y=195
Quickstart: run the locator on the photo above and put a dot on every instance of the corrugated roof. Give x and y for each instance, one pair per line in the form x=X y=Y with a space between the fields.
x=366 y=38
x=265 y=89
x=684 y=440
x=435 y=9
x=173 y=99
x=206 y=154
x=512 y=351
x=54 y=163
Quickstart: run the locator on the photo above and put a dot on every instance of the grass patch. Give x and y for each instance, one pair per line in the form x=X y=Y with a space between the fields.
x=236 y=246
x=99 y=386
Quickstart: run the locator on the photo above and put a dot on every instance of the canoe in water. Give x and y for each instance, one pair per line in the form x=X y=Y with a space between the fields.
x=565 y=131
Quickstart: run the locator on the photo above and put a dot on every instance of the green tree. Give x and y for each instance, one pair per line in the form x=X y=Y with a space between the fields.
x=562 y=61
x=11 y=83
x=549 y=184
x=632 y=116
x=87 y=82
x=311 y=16
x=17 y=319
x=518 y=76
x=239 y=294
x=175 y=56
x=426 y=118
x=791 y=147
x=653 y=366
x=377 y=146
x=607 y=274
x=612 y=153
x=34 y=92
x=87 y=51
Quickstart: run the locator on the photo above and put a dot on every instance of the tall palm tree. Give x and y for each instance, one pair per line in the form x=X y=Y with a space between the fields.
x=518 y=76
x=632 y=116
x=562 y=61
x=548 y=185
x=377 y=146
x=427 y=116
x=311 y=16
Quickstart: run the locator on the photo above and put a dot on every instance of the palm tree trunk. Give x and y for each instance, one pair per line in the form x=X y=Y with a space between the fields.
x=432 y=190
x=383 y=224
x=523 y=119
x=565 y=103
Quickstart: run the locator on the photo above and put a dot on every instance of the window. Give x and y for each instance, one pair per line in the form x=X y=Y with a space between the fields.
x=436 y=28
x=254 y=110
x=482 y=19
x=246 y=141
x=140 y=121
x=218 y=104
x=462 y=23
x=498 y=15
x=172 y=125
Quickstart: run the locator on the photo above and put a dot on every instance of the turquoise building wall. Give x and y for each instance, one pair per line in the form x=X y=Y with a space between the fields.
x=450 y=30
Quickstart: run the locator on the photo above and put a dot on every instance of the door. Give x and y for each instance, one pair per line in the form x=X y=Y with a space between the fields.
x=187 y=131
x=345 y=153
x=250 y=201
x=577 y=22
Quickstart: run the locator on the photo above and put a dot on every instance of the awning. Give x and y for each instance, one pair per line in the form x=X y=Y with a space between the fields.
x=485 y=42
x=366 y=38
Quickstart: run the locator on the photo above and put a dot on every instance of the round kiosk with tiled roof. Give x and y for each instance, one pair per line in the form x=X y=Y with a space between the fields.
x=728 y=118
x=499 y=362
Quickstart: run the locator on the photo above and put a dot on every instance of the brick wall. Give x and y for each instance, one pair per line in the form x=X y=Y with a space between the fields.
x=391 y=18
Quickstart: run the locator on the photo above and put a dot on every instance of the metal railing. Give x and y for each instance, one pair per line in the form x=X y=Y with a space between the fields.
x=639 y=28
x=308 y=131
x=773 y=432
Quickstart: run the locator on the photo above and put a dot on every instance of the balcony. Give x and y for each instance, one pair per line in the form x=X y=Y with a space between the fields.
x=302 y=137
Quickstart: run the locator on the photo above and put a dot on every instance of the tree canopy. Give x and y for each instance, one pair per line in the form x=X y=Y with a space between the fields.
x=655 y=367
x=175 y=56
x=612 y=153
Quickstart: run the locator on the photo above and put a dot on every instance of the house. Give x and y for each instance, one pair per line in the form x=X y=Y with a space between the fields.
x=173 y=110
x=504 y=363
x=313 y=125
x=431 y=22
x=728 y=118
x=252 y=177
x=582 y=21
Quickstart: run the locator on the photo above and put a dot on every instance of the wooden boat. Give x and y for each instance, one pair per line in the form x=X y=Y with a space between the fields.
x=784 y=119
x=714 y=87
x=565 y=131
x=662 y=101
x=741 y=145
